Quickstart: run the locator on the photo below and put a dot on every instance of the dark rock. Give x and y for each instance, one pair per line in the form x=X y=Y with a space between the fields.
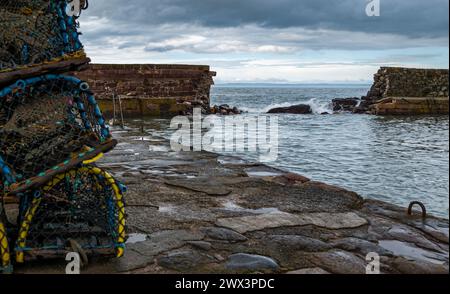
x=201 y=245
x=339 y=262
x=345 y=104
x=299 y=243
x=214 y=110
x=360 y=246
x=248 y=262
x=132 y=260
x=223 y=234
x=360 y=110
x=418 y=267
x=163 y=241
x=224 y=109
x=181 y=260
x=296 y=109
x=296 y=178
x=363 y=107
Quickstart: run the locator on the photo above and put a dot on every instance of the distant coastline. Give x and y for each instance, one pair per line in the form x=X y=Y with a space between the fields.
x=293 y=85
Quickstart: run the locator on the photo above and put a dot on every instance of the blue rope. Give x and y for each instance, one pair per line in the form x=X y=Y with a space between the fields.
x=6 y=172
x=67 y=28
x=21 y=84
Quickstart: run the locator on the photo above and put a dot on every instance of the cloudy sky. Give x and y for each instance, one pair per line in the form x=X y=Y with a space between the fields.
x=282 y=41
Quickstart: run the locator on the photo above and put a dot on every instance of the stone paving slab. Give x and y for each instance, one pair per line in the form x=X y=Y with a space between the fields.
x=282 y=219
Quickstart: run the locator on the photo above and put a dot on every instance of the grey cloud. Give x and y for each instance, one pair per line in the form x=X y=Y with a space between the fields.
x=412 y=18
x=250 y=39
x=163 y=48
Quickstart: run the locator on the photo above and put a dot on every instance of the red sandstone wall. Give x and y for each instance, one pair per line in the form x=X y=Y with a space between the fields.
x=186 y=82
x=149 y=89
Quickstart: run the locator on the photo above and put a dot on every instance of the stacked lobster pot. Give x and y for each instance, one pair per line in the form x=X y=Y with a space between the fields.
x=54 y=199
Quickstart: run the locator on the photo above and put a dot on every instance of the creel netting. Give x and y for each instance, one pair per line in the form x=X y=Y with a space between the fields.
x=35 y=31
x=41 y=125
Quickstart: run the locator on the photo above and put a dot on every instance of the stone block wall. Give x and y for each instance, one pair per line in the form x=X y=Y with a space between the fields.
x=408 y=82
x=411 y=106
x=148 y=89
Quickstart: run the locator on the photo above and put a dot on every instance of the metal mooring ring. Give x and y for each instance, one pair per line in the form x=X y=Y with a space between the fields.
x=411 y=206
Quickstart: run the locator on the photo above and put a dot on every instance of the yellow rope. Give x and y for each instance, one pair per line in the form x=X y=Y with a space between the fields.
x=23 y=233
x=4 y=247
x=98 y=157
x=25 y=227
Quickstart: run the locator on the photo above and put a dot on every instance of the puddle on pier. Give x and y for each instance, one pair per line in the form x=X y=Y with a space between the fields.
x=147 y=139
x=230 y=160
x=231 y=206
x=167 y=209
x=262 y=173
x=159 y=148
x=136 y=238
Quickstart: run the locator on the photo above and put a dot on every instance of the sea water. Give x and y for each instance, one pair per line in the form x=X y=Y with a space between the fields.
x=395 y=159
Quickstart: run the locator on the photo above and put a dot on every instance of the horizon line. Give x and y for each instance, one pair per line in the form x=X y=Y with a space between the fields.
x=292 y=83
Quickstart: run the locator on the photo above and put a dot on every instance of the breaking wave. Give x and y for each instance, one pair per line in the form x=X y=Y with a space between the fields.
x=317 y=106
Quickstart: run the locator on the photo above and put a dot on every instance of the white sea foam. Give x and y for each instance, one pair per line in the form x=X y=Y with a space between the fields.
x=317 y=106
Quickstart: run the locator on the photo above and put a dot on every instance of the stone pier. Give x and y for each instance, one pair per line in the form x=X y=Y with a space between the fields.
x=148 y=89
x=408 y=91
x=199 y=212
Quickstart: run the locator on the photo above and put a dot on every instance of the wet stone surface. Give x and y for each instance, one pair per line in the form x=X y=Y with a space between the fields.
x=181 y=260
x=223 y=234
x=249 y=262
x=204 y=213
x=309 y=271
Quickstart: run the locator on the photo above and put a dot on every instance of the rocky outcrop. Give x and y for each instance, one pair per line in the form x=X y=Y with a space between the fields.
x=296 y=109
x=149 y=89
x=205 y=109
x=345 y=104
x=225 y=109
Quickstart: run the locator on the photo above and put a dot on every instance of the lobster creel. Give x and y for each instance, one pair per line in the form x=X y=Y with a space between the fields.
x=51 y=134
x=80 y=210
